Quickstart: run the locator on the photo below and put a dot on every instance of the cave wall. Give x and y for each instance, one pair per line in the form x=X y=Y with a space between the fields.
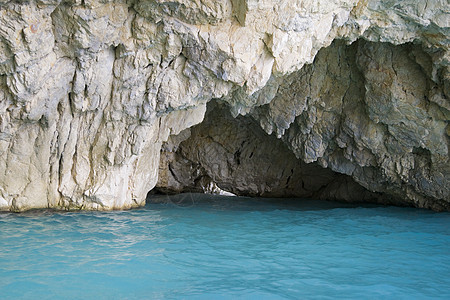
x=89 y=91
x=373 y=111
x=367 y=110
x=235 y=155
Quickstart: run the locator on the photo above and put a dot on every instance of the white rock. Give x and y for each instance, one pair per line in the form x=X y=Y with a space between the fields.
x=89 y=90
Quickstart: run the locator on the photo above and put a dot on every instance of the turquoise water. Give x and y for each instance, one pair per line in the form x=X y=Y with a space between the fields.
x=222 y=248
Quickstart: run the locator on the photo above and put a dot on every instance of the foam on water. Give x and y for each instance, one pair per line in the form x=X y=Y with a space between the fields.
x=195 y=246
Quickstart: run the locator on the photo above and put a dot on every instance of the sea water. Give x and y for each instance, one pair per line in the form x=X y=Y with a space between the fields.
x=203 y=247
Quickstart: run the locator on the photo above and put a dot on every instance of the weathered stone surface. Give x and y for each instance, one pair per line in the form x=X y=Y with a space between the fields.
x=367 y=113
x=89 y=91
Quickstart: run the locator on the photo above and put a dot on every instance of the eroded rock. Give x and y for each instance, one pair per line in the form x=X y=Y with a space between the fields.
x=89 y=91
x=366 y=112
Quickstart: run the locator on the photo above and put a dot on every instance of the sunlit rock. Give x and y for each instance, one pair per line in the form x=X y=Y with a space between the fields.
x=90 y=90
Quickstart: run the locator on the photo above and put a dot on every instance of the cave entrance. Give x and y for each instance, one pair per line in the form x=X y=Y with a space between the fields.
x=234 y=155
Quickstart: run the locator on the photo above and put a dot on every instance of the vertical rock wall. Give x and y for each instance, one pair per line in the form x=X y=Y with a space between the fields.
x=89 y=90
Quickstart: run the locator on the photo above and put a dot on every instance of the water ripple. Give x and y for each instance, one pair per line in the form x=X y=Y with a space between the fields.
x=194 y=246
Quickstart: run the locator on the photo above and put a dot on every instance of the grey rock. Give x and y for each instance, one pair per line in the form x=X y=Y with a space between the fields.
x=90 y=90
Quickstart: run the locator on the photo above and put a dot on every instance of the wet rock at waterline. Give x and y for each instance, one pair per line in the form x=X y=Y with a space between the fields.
x=354 y=92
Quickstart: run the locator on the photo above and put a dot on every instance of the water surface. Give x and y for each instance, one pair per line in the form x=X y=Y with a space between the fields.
x=198 y=247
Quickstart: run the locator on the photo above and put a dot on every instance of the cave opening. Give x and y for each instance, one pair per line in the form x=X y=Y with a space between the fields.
x=224 y=155
x=347 y=127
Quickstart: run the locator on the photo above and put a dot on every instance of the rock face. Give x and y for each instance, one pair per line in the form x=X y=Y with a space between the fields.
x=371 y=111
x=91 y=90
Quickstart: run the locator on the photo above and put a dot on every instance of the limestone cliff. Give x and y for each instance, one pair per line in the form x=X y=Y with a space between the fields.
x=90 y=92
